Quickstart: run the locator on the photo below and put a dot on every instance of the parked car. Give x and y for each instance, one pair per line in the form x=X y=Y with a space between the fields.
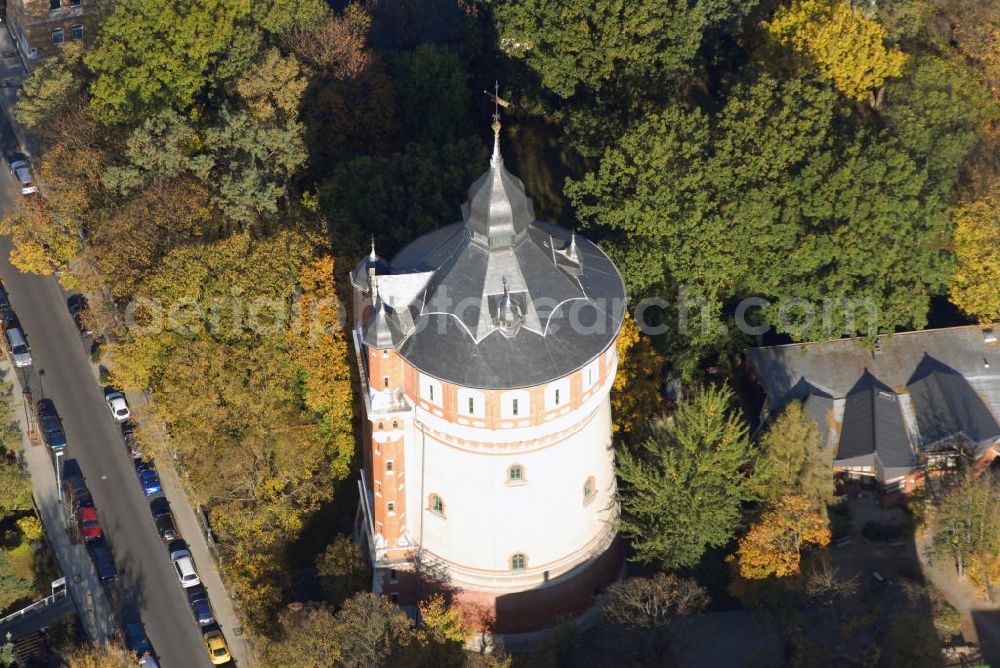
x=51 y=425
x=165 y=526
x=201 y=606
x=18 y=347
x=75 y=493
x=148 y=478
x=104 y=564
x=128 y=435
x=136 y=640
x=148 y=661
x=184 y=565
x=218 y=650
x=21 y=171
x=90 y=527
x=118 y=406
x=80 y=311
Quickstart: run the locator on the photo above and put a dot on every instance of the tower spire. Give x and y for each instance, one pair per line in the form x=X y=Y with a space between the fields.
x=496 y=159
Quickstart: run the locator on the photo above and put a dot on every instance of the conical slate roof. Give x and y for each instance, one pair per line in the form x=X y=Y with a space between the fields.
x=499 y=300
x=498 y=211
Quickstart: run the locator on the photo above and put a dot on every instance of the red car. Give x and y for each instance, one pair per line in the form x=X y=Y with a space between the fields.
x=89 y=526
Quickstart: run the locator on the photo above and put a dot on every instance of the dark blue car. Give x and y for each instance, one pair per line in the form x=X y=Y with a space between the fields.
x=147 y=478
x=51 y=425
x=200 y=605
x=103 y=562
x=136 y=640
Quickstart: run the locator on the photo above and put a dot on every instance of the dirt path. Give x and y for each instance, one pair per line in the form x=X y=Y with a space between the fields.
x=980 y=618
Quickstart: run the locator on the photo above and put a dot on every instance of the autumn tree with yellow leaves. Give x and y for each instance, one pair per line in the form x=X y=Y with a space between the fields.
x=772 y=548
x=976 y=286
x=635 y=395
x=442 y=620
x=844 y=44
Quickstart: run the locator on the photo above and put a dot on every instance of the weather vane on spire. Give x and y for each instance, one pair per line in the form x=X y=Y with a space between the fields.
x=497 y=103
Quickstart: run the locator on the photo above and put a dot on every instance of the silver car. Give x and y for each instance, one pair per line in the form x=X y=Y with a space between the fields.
x=21 y=171
x=18 y=347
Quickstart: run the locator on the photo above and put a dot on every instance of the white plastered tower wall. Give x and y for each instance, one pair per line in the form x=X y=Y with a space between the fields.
x=548 y=515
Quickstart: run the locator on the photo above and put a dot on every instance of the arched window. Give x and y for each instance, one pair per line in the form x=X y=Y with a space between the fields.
x=589 y=489
x=518 y=562
x=515 y=473
x=435 y=505
x=388 y=466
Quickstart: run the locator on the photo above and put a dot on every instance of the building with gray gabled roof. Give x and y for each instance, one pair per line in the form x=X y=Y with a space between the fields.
x=915 y=399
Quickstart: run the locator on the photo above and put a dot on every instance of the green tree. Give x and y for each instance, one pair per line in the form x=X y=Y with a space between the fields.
x=343 y=570
x=435 y=100
x=935 y=111
x=792 y=460
x=150 y=55
x=51 y=90
x=253 y=164
x=279 y=16
x=786 y=170
x=681 y=490
x=573 y=45
x=400 y=197
x=164 y=146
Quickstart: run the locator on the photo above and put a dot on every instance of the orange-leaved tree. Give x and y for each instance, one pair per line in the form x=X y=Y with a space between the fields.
x=773 y=546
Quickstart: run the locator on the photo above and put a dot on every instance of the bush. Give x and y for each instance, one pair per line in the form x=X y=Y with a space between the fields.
x=946 y=616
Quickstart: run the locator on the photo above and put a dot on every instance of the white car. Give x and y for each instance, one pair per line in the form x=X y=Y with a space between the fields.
x=184 y=565
x=21 y=171
x=148 y=661
x=118 y=406
x=18 y=347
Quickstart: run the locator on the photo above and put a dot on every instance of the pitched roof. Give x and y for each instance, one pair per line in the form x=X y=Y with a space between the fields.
x=873 y=426
x=914 y=389
x=946 y=405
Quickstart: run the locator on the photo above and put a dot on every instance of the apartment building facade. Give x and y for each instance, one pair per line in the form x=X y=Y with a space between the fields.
x=40 y=27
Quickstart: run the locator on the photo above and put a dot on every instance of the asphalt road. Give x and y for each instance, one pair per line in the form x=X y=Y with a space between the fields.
x=62 y=371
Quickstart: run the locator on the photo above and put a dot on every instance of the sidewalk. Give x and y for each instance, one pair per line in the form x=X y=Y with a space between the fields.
x=96 y=613
x=12 y=73
x=190 y=528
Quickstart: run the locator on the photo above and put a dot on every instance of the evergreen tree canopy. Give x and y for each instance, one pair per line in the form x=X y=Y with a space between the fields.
x=681 y=491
